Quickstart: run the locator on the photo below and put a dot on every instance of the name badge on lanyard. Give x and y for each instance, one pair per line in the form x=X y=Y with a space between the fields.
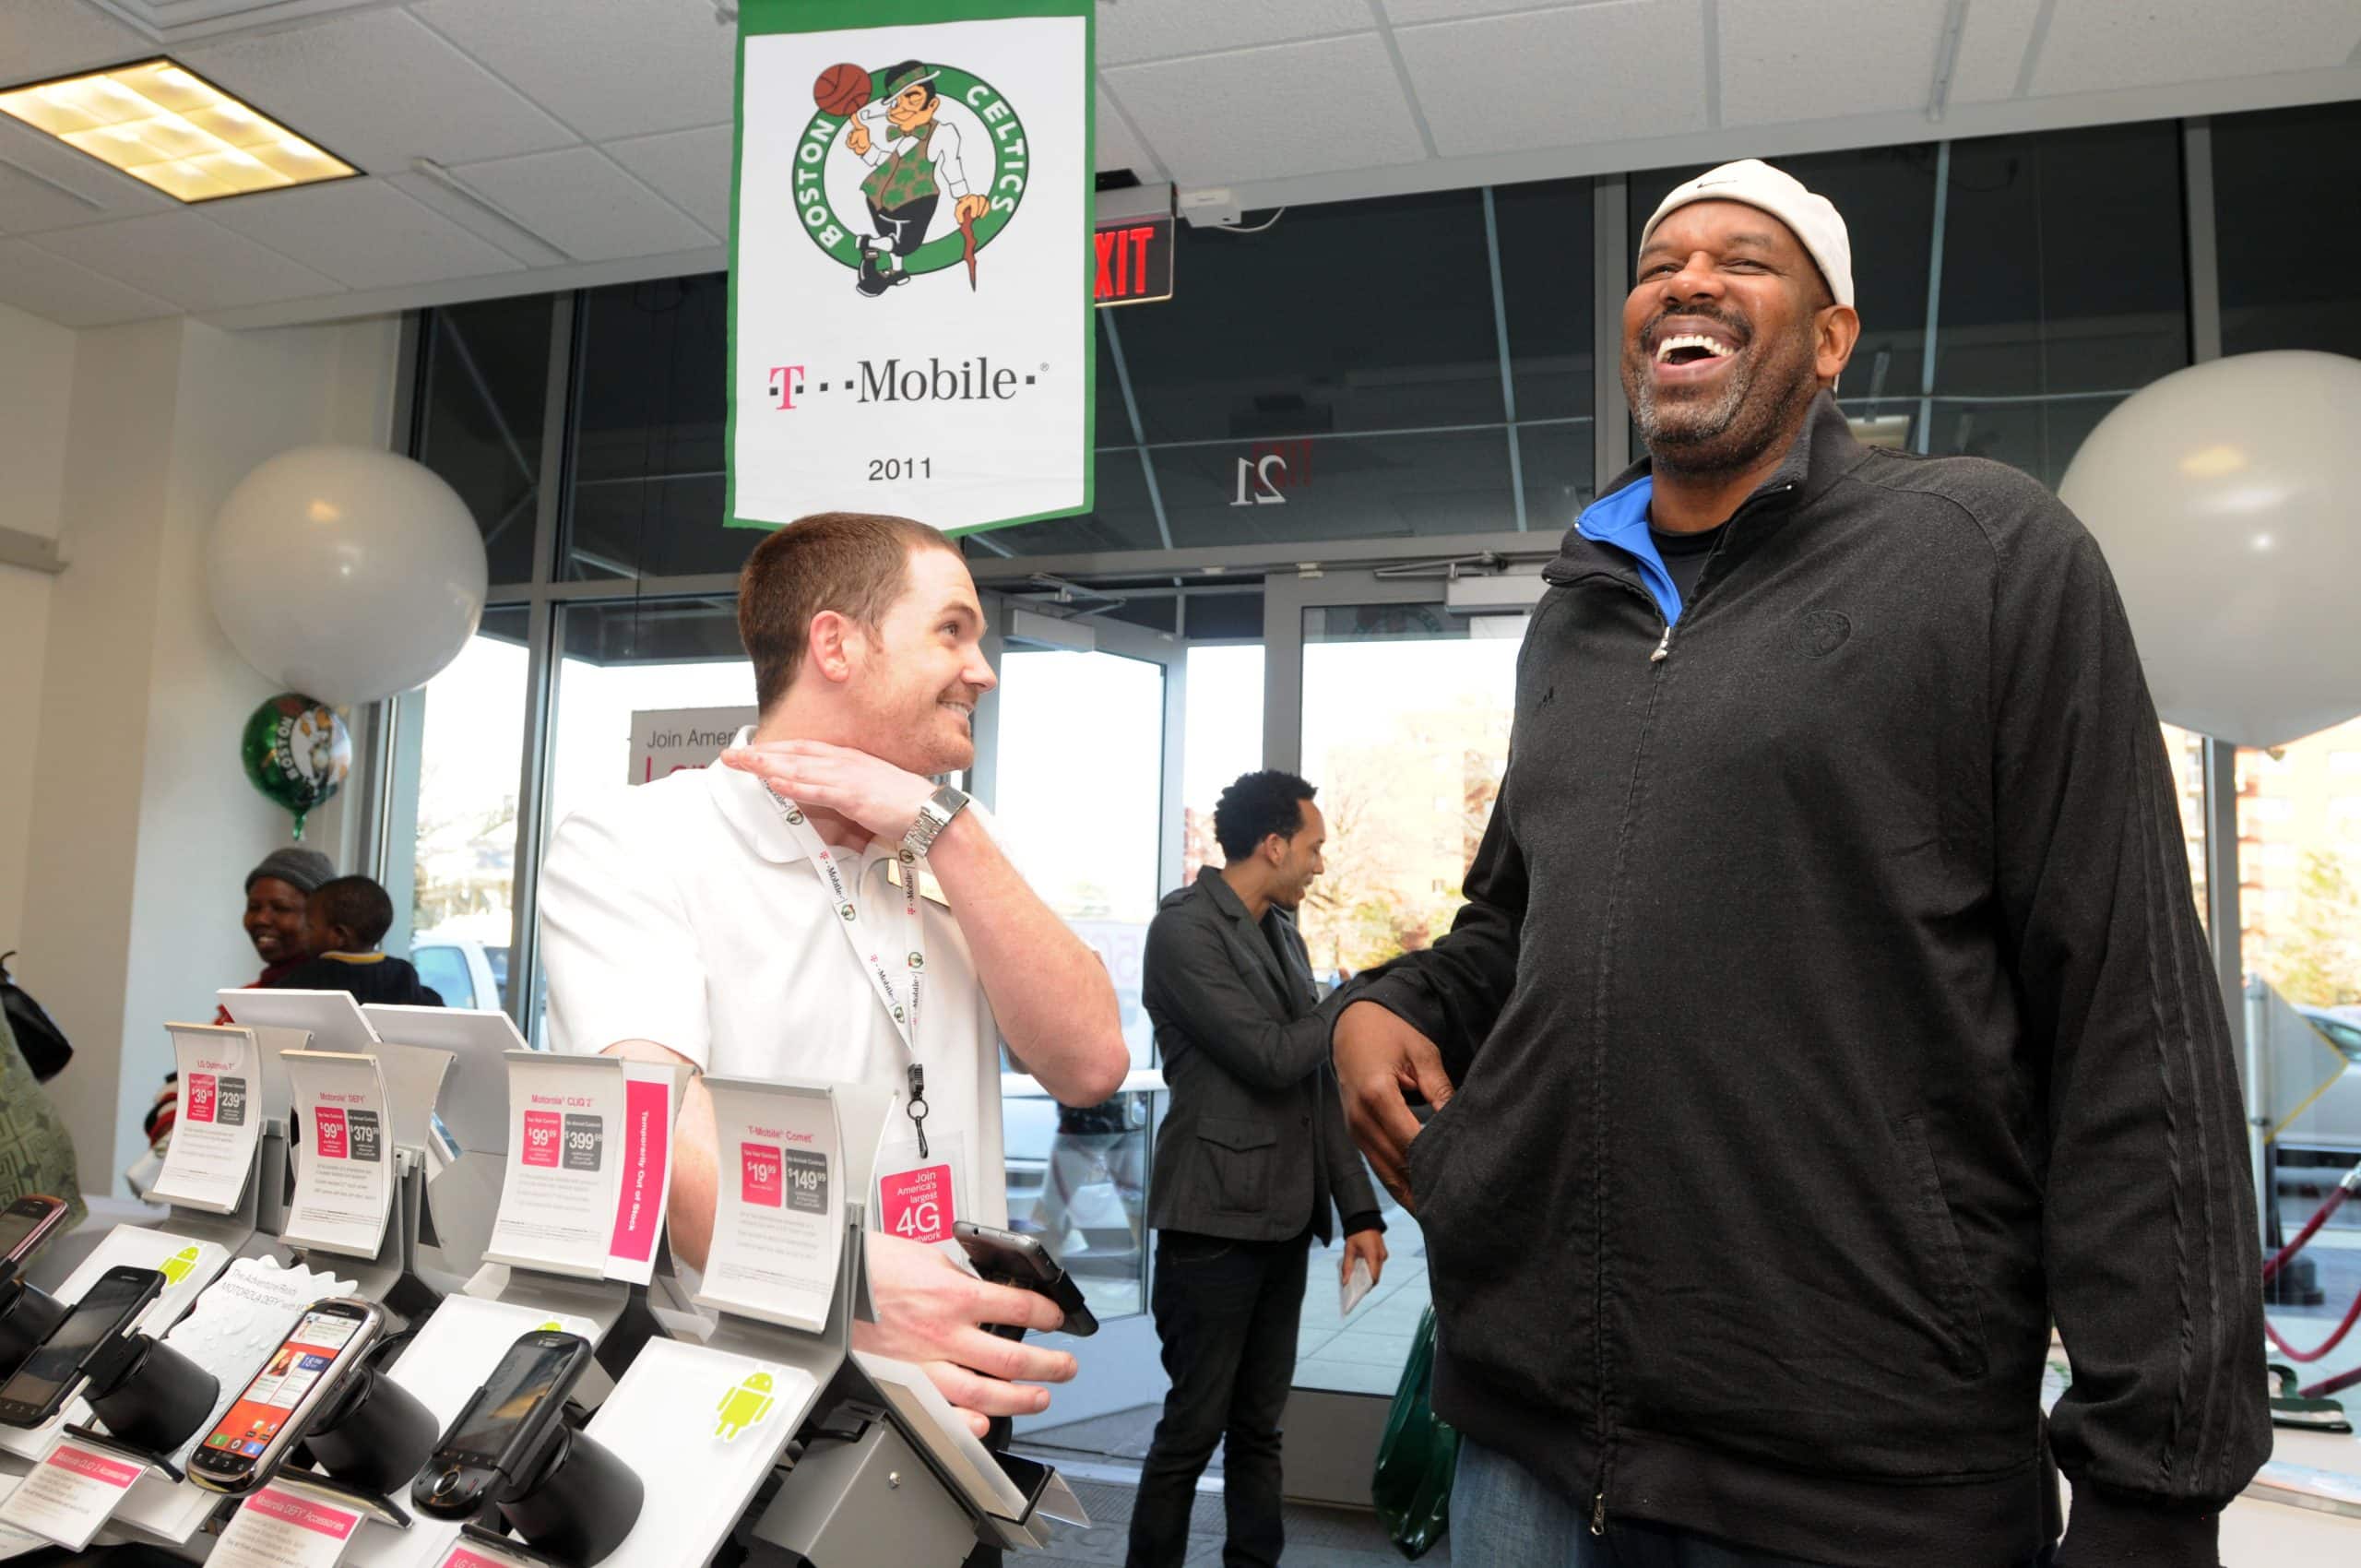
x=900 y=992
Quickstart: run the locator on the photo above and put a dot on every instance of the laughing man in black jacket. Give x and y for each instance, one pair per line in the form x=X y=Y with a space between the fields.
x=1830 y=1012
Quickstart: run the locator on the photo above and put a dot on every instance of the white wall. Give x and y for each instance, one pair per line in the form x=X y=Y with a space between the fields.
x=36 y=375
x=141 y=825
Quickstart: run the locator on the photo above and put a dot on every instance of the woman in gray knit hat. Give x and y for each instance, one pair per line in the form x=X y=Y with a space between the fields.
x=275 y=891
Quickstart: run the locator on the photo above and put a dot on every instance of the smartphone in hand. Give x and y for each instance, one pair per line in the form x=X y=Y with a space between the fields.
x=1004 y=1257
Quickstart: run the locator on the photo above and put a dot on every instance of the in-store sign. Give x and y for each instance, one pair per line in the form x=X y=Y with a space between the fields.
x=1134 y=260
x=1270 y=469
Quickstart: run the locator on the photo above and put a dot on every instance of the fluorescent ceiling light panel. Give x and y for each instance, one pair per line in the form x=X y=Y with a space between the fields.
x=161 y=123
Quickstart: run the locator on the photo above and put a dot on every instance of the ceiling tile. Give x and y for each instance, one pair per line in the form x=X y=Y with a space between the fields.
x=363 y=234
x=1788 y=60
x=585 y=206
x=1504 y=83
x=1117 y=148
x=41 y=161
x=1408 y=13
x=1227 y=118
x=1992 y=50
x=2095 y=46
x=187 y=259
x=690 y=167
x=53 y=38
x=68 y=294
x=1133 y=30
x=486 y=226
x=655 y=66
x=378 y=89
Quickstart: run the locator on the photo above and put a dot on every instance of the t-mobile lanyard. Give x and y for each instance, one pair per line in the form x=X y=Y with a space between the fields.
x=904 y=1014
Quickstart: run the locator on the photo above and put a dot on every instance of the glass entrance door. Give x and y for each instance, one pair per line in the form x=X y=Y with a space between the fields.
x=1402 y=721
x=1080 y=770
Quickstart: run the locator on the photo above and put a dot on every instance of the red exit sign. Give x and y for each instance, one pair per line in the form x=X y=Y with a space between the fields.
x=1134 y=260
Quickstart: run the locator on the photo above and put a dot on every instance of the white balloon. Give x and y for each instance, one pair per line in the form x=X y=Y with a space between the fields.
x=345 y=573
x=2224 y=498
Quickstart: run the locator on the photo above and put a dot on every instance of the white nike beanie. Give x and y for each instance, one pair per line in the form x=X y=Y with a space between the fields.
x=1813 y=219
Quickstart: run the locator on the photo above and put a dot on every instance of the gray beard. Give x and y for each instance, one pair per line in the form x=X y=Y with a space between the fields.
x=1735 y=426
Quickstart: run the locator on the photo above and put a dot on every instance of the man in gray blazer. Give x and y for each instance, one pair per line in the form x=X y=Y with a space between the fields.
x=1251 y=1161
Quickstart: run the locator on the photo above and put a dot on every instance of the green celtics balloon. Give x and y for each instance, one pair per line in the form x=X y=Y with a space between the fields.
x=297 y=752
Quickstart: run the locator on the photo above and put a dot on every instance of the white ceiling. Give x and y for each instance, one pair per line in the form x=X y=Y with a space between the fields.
x=517 y=145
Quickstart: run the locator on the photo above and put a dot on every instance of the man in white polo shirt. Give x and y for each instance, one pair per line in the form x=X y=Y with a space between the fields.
x=751 y=921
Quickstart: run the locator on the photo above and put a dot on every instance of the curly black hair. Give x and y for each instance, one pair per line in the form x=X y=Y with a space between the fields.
x=1258 y=805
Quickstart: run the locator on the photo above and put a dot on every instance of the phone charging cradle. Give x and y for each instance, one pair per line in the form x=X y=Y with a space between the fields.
x=370 y=1440
x=151 y=1397
x=580 y=1505
x=27 y=1315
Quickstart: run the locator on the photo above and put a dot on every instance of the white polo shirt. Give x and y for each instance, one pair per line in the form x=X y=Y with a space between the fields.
x=682 y=911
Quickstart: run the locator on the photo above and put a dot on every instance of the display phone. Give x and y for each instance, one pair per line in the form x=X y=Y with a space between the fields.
x=500 y=1442
x=55 y=1371
x=314 y=1363
x=1004 y=1257
x=24 y=1226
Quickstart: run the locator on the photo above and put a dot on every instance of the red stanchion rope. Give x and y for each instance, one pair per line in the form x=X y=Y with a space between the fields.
x=2352 y=1316
x=2336 y=1197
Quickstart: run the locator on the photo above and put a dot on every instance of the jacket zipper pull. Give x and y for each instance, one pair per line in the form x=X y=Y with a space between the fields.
x=1663 y=649
x=1599 y=1515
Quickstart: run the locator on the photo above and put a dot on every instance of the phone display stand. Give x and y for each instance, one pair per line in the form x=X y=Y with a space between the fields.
x=234 y=1233
x=150 y=1397
x=865 y=1488
x=373 y=1437
x=27 y=1315
x=581 y=1506
x=389 y=1278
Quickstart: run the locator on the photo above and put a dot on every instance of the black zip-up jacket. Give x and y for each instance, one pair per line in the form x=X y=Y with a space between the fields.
x=1830 y=1012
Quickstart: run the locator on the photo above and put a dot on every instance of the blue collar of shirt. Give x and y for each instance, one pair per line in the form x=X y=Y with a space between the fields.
x=1620 y=521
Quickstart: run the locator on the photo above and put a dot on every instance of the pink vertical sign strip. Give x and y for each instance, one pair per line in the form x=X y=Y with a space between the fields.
x=648 y=1146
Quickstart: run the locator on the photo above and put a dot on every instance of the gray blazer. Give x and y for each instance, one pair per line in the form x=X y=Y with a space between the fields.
x=1253 y=1145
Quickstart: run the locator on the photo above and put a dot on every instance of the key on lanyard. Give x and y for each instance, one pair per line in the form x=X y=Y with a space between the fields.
x=917 y=1106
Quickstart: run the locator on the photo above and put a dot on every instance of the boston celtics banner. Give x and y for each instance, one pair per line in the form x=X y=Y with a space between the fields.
x=911 y=261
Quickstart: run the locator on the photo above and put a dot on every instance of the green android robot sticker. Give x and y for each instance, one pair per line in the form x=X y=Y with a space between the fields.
x=551 y=1326
x=748 y=1404
x=175 y=1268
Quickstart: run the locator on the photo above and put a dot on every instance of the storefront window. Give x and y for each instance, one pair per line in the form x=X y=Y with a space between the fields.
x=1224 y=741
x=651 y=417
x=1405 y=731
x=2269 y=223
x=484 y=391
x=470 y=759
x=2299 y=839
x=2064 y=289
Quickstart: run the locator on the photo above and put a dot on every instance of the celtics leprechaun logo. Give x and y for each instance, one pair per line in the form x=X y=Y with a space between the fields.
x=936 y=156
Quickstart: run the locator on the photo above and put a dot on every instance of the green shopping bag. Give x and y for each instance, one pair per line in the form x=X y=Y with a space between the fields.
x=1418 y=1457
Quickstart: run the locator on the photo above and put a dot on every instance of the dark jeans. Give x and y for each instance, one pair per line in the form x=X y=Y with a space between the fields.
x=1227 y=1313
x=1505 y=1516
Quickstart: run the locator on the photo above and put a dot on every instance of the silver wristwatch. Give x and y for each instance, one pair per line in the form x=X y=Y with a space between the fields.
x=934 y=815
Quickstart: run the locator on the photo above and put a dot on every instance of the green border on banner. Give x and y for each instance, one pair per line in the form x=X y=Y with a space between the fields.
x=757 y=17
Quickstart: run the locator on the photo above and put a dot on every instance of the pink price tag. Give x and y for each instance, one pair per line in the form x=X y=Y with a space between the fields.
x=329 y=1120
x=544 y=1133
x=103 y=1468
x=200 y=1097
x=759 y=1182
x=917 y=1205
x=331 y=1522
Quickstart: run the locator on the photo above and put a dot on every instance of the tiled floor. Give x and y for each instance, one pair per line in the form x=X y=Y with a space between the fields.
x=1363 y=1354
x=1317 y=1537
